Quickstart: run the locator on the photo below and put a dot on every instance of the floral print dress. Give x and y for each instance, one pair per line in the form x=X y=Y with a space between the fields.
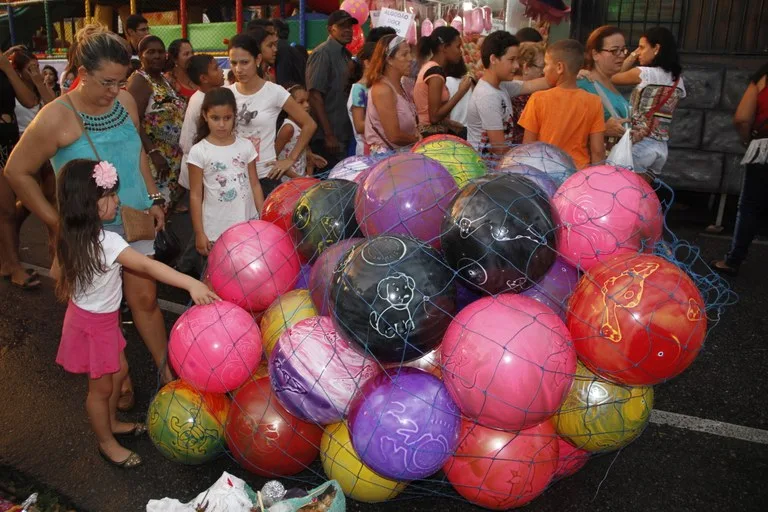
x=162 y=123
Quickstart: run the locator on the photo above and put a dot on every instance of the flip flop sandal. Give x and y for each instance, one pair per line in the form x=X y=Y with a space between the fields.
x=32 y=281
x=721 y=267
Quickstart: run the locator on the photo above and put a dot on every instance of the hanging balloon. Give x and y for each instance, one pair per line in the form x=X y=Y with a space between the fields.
x=440 y=23
x=487 y=18
x=476 y=17
x=357 y=8
x=426 y=28
x=458 y=24
x=410 y=36
x=358 y=40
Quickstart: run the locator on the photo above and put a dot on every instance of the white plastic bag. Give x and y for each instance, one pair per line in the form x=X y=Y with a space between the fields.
x=621 y=153
x=228 y=493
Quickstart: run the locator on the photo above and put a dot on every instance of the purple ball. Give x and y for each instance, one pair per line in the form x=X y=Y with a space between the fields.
x=315 y=372
x=404 y=424
x=464 y=297
x=303 y=281
x=543 y=180
x=351 y=168
x=406 y=194
x=555 y=288
x=322 y=272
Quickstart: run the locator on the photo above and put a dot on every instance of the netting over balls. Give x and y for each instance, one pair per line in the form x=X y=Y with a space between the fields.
x=426 y=323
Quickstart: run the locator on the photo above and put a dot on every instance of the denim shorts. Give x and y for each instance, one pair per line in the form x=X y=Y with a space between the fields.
x=145 y=247
x=649 y=154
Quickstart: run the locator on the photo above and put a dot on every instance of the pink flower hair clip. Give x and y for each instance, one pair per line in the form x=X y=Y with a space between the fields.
x=105 y=175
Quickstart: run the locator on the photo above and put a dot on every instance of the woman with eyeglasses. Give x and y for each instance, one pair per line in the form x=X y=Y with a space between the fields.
x=659 y=87
x=390 y=121
x=161 y=113
x=605 y=52
x=99 y=117
x=531 y=61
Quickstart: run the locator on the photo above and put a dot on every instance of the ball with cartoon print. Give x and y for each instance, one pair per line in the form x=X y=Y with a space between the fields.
x=393 y=297
x=637 y=319
x=498 y=234
x=279 y=204
x=542 y=156
x=187 y=425
x=324 y=214
x=404 y=424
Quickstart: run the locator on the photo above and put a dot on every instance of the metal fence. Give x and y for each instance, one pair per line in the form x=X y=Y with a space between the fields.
x=716 y=27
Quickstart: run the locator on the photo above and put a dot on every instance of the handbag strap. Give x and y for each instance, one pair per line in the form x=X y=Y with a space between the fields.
x=606 y=102
x=82 y=127
x=664 y=99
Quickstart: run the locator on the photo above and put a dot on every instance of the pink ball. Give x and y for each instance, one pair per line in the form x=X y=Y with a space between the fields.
x=571 y=459
x=252 y=263
x=605 y=211
x=215 y=347
x=508 y=361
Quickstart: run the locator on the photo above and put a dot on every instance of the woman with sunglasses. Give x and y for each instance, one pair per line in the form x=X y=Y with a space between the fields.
x=99 y=117
x=390 y=120
x=605 y=52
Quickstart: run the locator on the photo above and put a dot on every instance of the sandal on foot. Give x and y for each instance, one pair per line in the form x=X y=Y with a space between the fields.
x=721 y=267
x=130 y=462
x=126 y=402
x=32 y=281
x=139 y=429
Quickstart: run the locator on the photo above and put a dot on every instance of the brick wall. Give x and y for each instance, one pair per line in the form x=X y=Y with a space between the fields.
x=704 y=149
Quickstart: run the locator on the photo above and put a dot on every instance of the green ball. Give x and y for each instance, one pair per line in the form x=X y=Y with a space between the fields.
x=459 y=158
x=187 y=425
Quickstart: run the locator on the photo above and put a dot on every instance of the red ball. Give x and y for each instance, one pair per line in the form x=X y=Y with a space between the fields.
x=501 y=470
x=279 y=205
x=570 y=459
x=637 y=319
x=266 y=439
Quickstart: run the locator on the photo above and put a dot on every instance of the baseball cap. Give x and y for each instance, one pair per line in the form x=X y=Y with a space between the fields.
x=340 y=16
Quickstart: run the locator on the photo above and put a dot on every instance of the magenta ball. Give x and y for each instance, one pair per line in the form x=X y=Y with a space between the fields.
x=322 y=273
x=405 y=194
x=508 y=361
x=252 y=263
x=603 y=212
x=215 y=347
x=315 y=372
x=541 y=179
x=403 y=424
x=555 y=288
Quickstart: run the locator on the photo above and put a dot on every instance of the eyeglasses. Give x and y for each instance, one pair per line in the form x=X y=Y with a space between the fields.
x=618 y=51
x=110 y=84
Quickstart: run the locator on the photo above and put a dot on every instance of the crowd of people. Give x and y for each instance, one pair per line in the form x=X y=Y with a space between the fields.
x=164 y=130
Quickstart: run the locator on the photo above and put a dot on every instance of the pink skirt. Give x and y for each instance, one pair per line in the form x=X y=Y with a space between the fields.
x=90 y=342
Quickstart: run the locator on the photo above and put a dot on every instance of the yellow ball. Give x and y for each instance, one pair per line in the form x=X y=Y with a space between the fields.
x=598 y=415
x=287 y=310
x=341 y=463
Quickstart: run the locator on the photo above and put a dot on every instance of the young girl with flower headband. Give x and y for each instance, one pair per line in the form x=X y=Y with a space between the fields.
x=87 y=270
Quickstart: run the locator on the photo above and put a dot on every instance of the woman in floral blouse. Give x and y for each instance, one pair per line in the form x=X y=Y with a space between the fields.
x=161 y=112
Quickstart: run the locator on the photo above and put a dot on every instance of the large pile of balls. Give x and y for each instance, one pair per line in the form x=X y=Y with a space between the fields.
x=417 y=317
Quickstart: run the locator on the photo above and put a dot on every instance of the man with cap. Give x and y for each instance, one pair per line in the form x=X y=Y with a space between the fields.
x=327 y=77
